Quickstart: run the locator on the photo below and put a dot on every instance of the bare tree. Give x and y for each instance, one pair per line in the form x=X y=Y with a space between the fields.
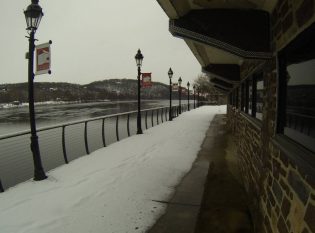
x=208 y=91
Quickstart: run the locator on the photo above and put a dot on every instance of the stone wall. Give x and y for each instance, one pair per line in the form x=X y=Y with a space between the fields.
x=289 y=18
x=281 y=188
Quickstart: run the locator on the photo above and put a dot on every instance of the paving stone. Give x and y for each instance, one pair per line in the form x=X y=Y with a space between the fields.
x=271 y=198
x=284 y=159
x=267 y=224
x=285 y=187
x=298 y=186
x=282 y=227
x=304 y=12
x=285 y=207
x=277 y=191
x=305 y=231
x=310 y=217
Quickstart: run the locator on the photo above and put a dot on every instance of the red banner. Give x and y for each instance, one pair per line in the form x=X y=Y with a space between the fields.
x=175 y=87
x=146 y=80
x=43 y=58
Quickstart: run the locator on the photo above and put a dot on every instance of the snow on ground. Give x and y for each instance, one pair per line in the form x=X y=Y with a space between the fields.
x=110 y=190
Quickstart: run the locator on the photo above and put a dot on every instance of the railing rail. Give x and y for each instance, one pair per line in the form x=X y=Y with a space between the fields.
x=301 y=122
x=25 y=132
x=66 y=145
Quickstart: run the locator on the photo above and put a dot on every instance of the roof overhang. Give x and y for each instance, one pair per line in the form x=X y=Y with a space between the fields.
x=221 y=83
x=222 y=89
x=229 y=73
x=244 y=33
x=178 y=8
x=222 y=33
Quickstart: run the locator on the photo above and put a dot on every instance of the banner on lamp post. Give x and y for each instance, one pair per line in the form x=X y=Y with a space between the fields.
x=43 y=58
x=146 y=80
x=175 y=87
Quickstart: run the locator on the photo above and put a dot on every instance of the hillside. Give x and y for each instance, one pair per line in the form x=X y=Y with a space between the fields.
x=111 y=89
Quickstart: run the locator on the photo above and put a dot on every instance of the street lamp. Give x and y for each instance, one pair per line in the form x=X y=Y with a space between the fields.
x=33 y=15
x=139 y=58
x=180 y=94
x=194 y=87
x=170 y=75
x=188 y=85
x=198 y=97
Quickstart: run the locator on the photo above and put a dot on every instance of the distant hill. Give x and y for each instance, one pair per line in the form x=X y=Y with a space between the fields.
x=111 y=89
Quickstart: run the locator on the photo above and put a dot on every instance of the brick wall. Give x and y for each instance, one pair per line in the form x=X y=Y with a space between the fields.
x=282 y=190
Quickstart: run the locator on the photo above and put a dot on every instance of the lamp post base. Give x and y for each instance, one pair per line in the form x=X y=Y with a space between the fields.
x=40 y=175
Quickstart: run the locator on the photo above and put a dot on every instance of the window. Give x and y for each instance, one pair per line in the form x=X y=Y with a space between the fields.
x=243 y=97
x=296 y=113
x=250 y=96
x=231 y=99
x=246 y=96
x=253 y=95
x=259 y=95
x=236 y=98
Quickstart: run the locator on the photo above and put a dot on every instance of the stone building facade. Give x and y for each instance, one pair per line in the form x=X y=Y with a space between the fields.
x=276 y=175
x=250 y=50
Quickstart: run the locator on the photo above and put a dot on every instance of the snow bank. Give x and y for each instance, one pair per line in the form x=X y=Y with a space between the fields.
x=110 y=190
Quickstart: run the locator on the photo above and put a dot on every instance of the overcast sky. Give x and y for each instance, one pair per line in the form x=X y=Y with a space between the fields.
x=95 y=40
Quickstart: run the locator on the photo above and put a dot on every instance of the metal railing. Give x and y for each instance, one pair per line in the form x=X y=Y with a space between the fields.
x=301 y=122
x=62 y=143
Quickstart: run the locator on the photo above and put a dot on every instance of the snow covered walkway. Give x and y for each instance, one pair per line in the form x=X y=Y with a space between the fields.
x=111 y=190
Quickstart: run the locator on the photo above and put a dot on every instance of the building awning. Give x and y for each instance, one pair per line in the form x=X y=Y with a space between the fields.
x=222 y=34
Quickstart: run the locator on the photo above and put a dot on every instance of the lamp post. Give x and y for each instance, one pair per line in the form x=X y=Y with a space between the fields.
x=188 y=85
x=194 y=87
x=33 y=15
x=170 y=75
x=180 y=94
x=139 y=58
x=198 y=97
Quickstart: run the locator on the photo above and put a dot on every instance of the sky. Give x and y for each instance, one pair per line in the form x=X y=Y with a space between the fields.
x=95 y=40
x=113 y=188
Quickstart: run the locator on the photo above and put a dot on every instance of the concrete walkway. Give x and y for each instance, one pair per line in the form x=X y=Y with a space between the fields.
x=210 y=197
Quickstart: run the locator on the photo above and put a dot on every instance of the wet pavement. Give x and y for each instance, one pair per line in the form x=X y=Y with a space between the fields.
x=210 y=198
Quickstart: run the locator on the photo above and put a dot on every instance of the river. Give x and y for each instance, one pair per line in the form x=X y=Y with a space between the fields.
x=16 y=164
x=16 y=119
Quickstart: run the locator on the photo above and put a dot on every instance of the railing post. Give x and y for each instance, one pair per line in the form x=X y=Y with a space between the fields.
x=103 y=132
x=157 y=116
x=309 y=127
x=128 y=130
x=64 y=144
x=85 y=138
x=162 y=115
x=165 y=114
x=117 y=133
x=1 y=187
x=152 y=117
x=146 y=119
